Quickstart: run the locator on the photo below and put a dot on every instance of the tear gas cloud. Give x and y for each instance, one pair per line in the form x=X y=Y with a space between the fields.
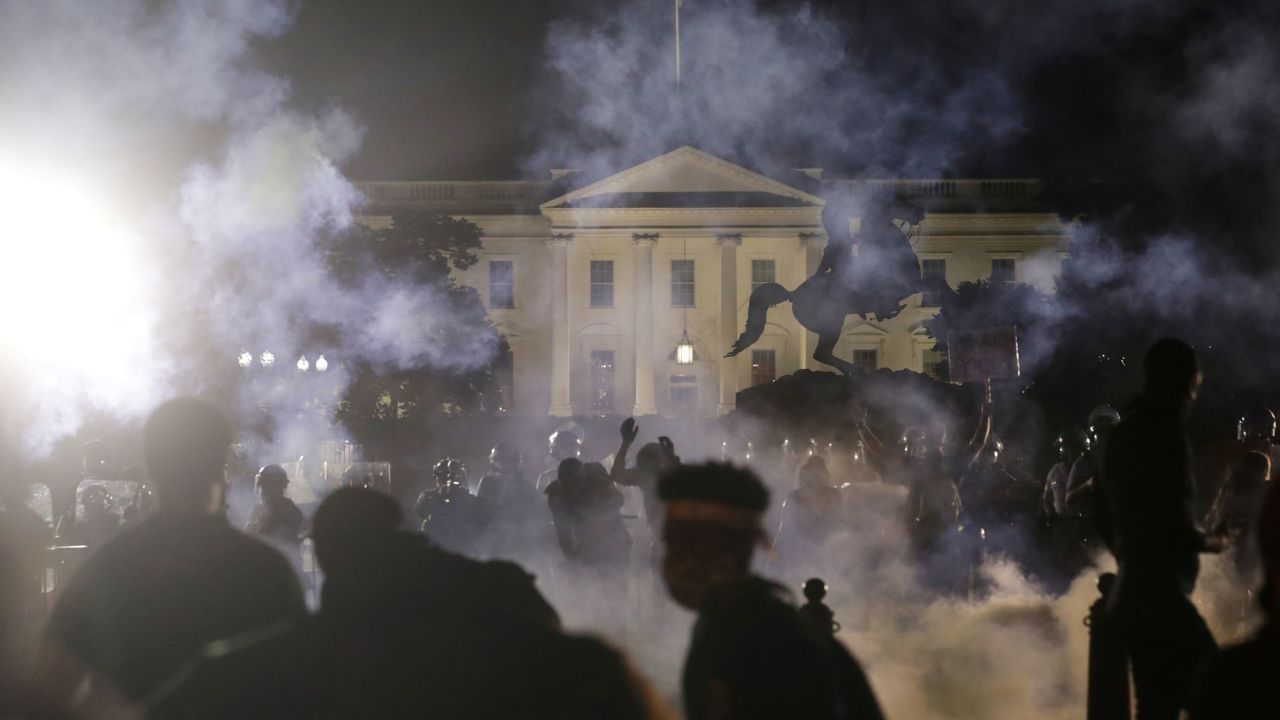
x=1170 y=167
x=212 y=199
x=159 y=112
x=785 y=85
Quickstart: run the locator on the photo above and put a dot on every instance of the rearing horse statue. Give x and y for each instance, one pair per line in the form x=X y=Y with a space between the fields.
x=875 y=281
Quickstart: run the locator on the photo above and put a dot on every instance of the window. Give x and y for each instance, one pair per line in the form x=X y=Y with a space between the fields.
x=932 y=366
x=762 y=271
x=866 y=360
x=683 y=392
x=602 y=283
x=601 y=379
x=502 y=289
x=764 y=367
x=682 y=294
x=932 y=271
x=1003 y=269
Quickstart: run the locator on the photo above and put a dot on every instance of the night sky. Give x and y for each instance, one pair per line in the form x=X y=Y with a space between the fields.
x=1085 y=92
x=417 y=72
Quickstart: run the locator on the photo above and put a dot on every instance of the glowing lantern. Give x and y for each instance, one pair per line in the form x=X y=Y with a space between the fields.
x=321 y=364
x=245 y=359
x=268 y=359
x=303 y=365
x=684 y=350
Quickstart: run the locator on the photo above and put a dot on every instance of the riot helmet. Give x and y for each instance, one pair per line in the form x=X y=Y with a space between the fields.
x=97 y=500
x=96 y=456
x=813 y=473
x=271 y=479
x=1072 y=443
x=449 y=472
x=563 y=444
x=1101 y=420
x=505 y=458
x=915 y=442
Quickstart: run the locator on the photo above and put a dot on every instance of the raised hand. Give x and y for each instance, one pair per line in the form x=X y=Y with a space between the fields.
x=629 y=430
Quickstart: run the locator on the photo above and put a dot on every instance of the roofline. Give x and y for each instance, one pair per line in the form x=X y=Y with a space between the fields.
x=684 y=150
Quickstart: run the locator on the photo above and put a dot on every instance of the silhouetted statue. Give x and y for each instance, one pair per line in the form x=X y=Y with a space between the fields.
x=875 y=282
x=162 y=589
x=751 y=655
x=1149 y=493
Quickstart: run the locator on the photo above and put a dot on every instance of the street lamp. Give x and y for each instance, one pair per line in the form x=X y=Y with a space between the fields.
x=321 y=364
x=245 y=359
x=268 y=359
x=303 y=365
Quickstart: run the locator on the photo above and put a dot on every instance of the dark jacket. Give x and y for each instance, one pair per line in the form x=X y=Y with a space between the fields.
x=752 y=657
x=1149 y=492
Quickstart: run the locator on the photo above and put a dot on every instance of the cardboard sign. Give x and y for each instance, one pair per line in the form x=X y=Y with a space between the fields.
x=985 y=354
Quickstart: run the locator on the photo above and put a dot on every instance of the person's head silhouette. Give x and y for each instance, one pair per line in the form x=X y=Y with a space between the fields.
x=1170 y=371
x=712 y=525
x=351 y=526
x=186 y=443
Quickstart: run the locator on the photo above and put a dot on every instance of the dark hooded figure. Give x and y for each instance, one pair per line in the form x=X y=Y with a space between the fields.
x=1149 y=494
x=751 y=655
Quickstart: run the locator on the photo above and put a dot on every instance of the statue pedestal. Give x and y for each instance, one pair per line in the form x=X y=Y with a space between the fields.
x=817 y=404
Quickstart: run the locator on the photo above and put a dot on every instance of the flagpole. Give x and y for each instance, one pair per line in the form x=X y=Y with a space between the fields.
x=677 y=44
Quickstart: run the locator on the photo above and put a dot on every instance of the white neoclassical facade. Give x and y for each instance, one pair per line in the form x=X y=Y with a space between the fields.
x=594 y=285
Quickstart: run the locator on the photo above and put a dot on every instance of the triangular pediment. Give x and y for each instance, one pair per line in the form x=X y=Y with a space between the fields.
x=858 y=326
x=686 y=177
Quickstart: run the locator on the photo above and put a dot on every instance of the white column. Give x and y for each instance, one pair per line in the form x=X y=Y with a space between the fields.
x=561 y=404
x=645 y=342
x=812 y=243
x=729 y=329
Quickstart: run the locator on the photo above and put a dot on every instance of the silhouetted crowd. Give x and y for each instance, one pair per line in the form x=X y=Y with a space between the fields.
x=433 y=609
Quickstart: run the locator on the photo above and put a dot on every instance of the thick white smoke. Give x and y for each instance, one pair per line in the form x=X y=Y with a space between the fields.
x=785 y=85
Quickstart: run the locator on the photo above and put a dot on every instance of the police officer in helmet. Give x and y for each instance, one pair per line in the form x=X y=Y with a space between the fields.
x=451 y=516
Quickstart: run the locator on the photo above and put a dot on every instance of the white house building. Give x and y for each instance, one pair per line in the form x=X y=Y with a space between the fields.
x=593 y=286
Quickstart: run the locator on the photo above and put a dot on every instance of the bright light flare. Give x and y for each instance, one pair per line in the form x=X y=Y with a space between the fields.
x=76 y=330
